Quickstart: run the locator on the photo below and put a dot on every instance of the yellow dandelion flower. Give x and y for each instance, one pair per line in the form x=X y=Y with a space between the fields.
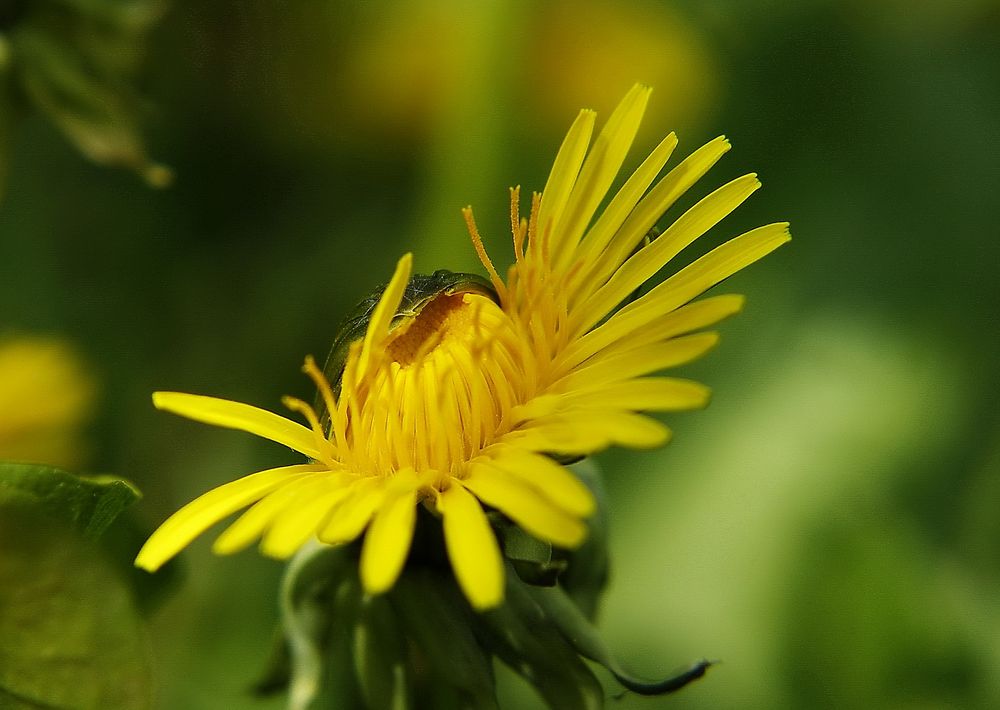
x=46 y=401
x=464 y=400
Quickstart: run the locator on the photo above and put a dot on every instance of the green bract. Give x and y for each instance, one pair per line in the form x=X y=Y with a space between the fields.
x=421 y=645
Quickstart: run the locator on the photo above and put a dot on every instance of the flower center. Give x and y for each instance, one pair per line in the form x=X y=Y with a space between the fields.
x=442 y=390
x=444 y=317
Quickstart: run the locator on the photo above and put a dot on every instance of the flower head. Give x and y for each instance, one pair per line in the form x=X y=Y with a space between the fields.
x=464 y=398
x=47 y=399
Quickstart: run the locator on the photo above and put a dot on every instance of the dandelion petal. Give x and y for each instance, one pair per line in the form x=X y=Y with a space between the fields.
x=236 y=415
x=523 y=504
x=203 y=512
x=556 y=482
x=252 y=524
x=352 y=515
x=472 y=548
x=387 y=542
x=294 y=527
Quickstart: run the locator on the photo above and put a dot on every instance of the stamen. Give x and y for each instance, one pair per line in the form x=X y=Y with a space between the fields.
x=438 y=441
x=468 y=399
x=350 y=391
x=323 y=385
x=517 y=225
x=477 y=242
x=300 y=407
x=395 y=423
x=536 y=203
x=422 y=447
x=448 y=404
x=385 y=422
x=513 y=279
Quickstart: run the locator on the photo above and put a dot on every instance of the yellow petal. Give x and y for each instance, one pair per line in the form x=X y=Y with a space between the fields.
x=200 y=514
x=236 y=415
x=600 y=168
x=719 y=264
x=388 y=304
x=350 y=517
x=472 y=548
x=525 y=505
x=632 y=327
x=651 y=209
x=563 y=175
x=640 y=267
x=387 y=542
x=661 y=394
x=643 y=360
x=252 y=524
x=553 y=480
x=558 y=434
x=587 y=431
x=621 y=206
x=635 y=431
x=295 y=526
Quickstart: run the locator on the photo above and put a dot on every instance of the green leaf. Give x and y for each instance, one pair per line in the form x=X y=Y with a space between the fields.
x=97 y=113
x=70 y=635
x=561 y=611
x=89 y=503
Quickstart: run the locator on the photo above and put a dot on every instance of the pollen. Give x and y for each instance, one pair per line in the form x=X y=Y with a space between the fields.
x=444 y=317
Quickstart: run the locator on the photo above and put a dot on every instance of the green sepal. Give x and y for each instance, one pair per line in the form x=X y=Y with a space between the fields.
x=89 y=503
x=519 y=633
x=319 y=599
x=439 y=623
x=586 y=640
x=534 y=560
x=586 y=573
x=380 y=658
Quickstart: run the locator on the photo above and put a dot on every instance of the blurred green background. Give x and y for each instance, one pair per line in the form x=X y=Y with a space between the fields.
x=829 y=528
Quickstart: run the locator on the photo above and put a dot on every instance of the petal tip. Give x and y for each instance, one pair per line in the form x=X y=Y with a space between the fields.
x=488 y=601
x=147 y=561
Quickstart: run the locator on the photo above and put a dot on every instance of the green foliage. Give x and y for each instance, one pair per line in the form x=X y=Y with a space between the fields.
x=73 y=63
x=422 y=645
x=90 y=504
x=70 y=635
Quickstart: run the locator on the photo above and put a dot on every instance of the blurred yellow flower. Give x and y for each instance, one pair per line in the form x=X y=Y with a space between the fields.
x=583 y=48
x=46 y=397
x=458 y=402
